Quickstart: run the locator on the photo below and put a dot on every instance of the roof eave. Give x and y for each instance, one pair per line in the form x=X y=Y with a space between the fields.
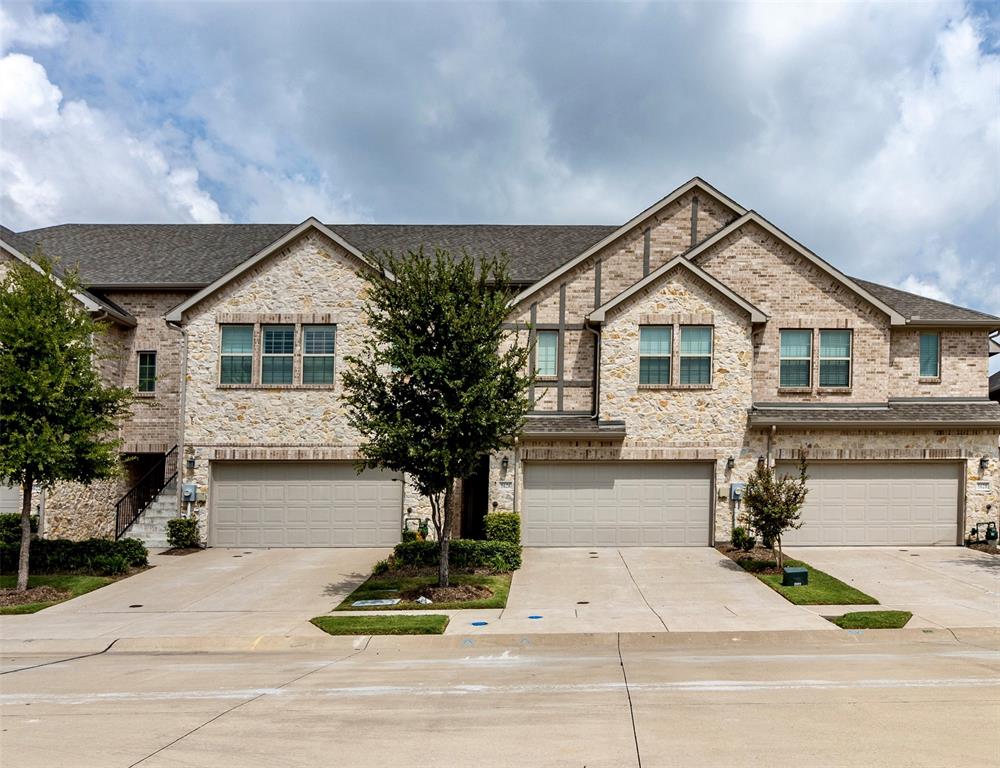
x=881 y=424
x=987 y=324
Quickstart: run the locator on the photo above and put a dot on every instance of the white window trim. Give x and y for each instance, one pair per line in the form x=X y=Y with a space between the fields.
x=555 y=361
x=332 y=355
x=669 y=356
x=807 y=358
x=920 y=374
x=265 y=355
x=681 y=356
x=849 y=359
x=223 y=355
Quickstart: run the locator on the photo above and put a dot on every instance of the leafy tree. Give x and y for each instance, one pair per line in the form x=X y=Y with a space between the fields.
x=57 y=418
x=439 y=382
x=773 y=504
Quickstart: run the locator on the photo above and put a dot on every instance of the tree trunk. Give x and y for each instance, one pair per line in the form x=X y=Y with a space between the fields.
x=781 y=555
x=445 y=536
x=456 y=512
x=22 y=563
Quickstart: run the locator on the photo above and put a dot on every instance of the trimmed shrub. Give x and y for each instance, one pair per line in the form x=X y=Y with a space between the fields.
x=109 y=565
x=182 y=532
x=65 y=556
x=500 y=556
x=383 y=566
x=503 y=526
x=742 y=539
x=409 y=535
x=10 y=528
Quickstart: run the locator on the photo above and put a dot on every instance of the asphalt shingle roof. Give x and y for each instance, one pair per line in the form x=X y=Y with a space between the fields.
x=984 y=413
x=914 y=307
x=569 y=425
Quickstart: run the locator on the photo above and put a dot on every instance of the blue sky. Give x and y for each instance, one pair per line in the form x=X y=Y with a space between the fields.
x=869 y=132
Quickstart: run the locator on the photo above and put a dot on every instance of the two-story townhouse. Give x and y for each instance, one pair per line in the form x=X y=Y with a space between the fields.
x=673 y=353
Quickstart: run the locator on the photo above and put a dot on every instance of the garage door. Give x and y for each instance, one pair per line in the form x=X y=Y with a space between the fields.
x=10 y=499
x=879 y=504
x=623 y=504
x=303 y=504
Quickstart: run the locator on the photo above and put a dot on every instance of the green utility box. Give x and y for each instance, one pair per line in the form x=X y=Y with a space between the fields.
x=794 y=576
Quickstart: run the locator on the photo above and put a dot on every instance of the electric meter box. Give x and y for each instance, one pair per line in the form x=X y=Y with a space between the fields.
x=189 y=492
x=736 y=491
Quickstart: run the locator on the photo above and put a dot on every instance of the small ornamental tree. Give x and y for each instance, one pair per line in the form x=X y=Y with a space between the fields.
x=439 y=382
x=57 y=418
x=773 y=504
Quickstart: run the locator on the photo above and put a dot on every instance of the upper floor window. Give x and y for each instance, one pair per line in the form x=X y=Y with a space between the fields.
x=236 y=366
x=796 y=358
x=546 y=352
x=147 y=371
x=835 y=358
x=655 y=343
x=317 y=353
x=277 y=353
x=930 y=355
x=696 y=354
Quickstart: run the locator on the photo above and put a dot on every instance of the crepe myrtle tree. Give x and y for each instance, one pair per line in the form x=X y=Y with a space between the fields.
x=773 y=504
x=439 y=382
x=57 y=418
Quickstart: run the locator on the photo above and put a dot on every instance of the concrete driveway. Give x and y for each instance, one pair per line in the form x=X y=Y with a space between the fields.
x=941 y=586
x=675 y=589
x=217 y=592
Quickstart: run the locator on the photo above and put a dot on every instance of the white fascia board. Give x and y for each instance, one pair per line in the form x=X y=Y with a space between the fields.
x=555 y=274
x=176 y=315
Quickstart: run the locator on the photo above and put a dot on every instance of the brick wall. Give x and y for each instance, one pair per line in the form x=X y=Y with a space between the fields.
x=964 y=365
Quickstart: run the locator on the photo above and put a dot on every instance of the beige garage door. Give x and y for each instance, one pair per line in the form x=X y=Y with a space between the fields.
x=622 y=504
x=878 y=504
x=303 y=504
x=10 y=499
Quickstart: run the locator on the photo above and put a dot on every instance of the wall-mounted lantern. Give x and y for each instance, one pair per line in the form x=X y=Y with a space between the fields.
x=190 y=463
x=984 y=464
x=730 y=463
x=504 y=463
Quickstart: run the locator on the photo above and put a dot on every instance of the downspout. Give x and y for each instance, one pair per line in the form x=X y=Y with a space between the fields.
x=182 y=408
x=770 y=442
x=595 y=403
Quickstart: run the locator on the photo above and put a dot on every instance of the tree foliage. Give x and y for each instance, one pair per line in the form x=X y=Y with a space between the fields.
x=773 y=504
x=439 y=382
x=57 y=418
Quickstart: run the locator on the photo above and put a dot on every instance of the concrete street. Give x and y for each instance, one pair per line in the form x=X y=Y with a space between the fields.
x=891 y=698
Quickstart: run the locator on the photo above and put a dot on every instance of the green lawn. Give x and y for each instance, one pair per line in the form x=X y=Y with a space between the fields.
x=873 y=620
x=389 y=586
x=822 y=589
x=425 y=624
x=75 y=585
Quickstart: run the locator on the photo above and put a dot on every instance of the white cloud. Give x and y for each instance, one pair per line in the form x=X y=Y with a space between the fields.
x=65 y=161
x=21 y=26
x=931 y=290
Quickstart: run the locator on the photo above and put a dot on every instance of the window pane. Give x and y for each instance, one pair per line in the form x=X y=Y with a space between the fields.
x=834 y=373
x=794 y=373
x=317 y=370
x=834 y=343
x=546 y=352
x=696 y=340
x=696 y=370
x=318 y=339
x=654 y=370
x=655 y=339
x=796 y=343
x=279 y=339
x=237 y=339
x=236 y=369
x=147 y=371
x=276 y=370
x=930 y=344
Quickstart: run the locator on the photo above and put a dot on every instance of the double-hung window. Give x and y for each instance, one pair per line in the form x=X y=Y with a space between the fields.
x=277 y=354
x=317 y=353
x=236 y=366
x=696 y=354
x=655 y=343
x=147 y=372
x=835 y=358
x=796 y=359
x=930 y=355
x=546 y=353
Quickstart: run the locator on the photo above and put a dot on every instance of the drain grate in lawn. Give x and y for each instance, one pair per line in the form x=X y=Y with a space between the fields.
x=423 y=624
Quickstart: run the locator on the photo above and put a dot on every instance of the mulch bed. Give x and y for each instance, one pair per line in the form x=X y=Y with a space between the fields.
x=10 y=597
x=181 y=551
x=982 y=546
x=758 y=553
x=454 y=593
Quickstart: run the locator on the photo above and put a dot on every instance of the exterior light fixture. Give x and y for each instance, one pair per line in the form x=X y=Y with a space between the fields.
x=730 y=463
x=760 y=462
x=984 y=463
x=504 y=463
x=190 y=463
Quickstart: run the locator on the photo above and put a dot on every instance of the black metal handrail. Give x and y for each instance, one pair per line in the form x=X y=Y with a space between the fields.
x=141 y=495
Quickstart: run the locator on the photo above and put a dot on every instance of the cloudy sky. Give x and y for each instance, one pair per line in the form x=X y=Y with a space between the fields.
x=869 y=132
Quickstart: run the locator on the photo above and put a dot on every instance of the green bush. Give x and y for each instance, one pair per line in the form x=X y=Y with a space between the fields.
x=10 y=528
x=500 y=556
x=65 y=556
x=383 y=566
x=109 y=565
x=182 y=532
x=409 y=535
x=503 y=526
x=743 y=540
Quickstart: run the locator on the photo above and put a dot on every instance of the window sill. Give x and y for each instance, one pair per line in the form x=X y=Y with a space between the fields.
x=547 y=379
x=276 y=386
x=834 y=390
x=795 y=390
x=929 y=380
x=144 y=394
x=676 y=387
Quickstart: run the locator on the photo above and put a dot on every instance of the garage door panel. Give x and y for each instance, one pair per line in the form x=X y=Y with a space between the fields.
x=617 y=504
x=303 y=504
x=856 y=504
